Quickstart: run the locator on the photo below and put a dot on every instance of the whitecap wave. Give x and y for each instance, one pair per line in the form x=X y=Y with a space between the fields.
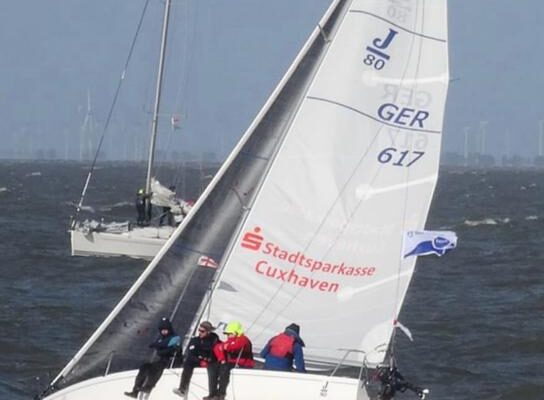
x=83 y=208
x=120 y=204
x=123 y=204
x=486 y=221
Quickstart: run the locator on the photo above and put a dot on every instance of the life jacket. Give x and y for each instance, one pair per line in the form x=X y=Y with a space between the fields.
x=282 y=346
x=239 y=351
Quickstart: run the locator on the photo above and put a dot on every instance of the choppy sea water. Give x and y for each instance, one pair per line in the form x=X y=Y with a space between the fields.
x=476 y=314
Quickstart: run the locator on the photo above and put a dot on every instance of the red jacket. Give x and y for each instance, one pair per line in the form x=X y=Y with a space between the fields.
x=219 y=352
x=238 y=350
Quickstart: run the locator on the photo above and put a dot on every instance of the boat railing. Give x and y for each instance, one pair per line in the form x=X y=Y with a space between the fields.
x=108 y=364
x=363 y=369
x=347 y=352
x=365 y=365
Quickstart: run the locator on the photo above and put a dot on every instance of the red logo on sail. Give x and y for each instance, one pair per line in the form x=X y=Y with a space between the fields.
x=208 y=262
x=253 y=240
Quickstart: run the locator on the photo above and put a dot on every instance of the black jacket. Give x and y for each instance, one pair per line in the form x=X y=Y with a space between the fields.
x=200 y=349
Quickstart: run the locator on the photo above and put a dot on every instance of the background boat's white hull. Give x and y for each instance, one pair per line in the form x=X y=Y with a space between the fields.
x=137 y=243
x=245 y=384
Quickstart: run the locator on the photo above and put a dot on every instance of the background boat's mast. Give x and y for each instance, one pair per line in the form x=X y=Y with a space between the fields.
x=157 y=100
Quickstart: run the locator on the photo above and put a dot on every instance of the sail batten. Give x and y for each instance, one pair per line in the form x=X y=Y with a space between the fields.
x=390 y=22
x=368 y=115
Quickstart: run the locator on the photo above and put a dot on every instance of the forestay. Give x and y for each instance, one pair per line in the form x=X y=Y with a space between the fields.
x=321 y=245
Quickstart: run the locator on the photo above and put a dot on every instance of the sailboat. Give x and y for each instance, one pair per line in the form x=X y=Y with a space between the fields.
x=96 y=238
x=306 y=220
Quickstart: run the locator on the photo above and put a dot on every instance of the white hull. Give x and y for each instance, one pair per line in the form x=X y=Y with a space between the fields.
x=245 y=384
x=139 y=242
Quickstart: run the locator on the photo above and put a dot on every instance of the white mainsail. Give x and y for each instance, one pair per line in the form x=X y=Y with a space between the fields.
x=321 y=245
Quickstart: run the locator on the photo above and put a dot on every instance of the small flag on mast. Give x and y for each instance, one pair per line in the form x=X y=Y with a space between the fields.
x=175 y=121
x=208 y=262
x=404 y=329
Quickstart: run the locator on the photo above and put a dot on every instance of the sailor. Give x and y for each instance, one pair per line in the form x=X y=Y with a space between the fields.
x=167 y=347
x=199 y=354
x=392 y=382
x=284 y=351
x=167 y=211
x=236 y=351
x=148 y=208
x=213 y=369
x=140 y=206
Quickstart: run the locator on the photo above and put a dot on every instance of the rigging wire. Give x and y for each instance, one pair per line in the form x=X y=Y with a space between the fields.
x=418 y=50
x=185 y=58
x=168 y=141
x=181 y=96
x=110 y=113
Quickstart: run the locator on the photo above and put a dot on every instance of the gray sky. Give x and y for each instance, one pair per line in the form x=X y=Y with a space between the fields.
x=225 y=58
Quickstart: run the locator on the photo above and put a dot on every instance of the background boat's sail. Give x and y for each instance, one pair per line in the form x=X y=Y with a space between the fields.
x=174 y=284
x=322 y=243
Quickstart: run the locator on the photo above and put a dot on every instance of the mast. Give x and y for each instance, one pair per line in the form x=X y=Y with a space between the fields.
x=154 y=123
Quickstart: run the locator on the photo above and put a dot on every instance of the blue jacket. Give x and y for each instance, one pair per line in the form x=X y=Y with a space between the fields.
x=285 y=363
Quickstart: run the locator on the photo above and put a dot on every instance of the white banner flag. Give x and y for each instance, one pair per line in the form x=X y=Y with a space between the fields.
x=404 y=329
x=421 y=243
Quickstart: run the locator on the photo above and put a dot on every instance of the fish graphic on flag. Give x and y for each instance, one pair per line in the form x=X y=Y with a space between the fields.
x=421 y=243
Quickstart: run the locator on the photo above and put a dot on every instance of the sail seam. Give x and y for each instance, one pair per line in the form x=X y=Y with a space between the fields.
x=399 y=26
x=370 y=116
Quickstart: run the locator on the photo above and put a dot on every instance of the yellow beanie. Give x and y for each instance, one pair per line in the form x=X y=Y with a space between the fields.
x=234 y=327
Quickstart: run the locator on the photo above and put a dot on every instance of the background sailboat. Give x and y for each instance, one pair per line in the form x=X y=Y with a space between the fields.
x=306 y=219
x=142 y=241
